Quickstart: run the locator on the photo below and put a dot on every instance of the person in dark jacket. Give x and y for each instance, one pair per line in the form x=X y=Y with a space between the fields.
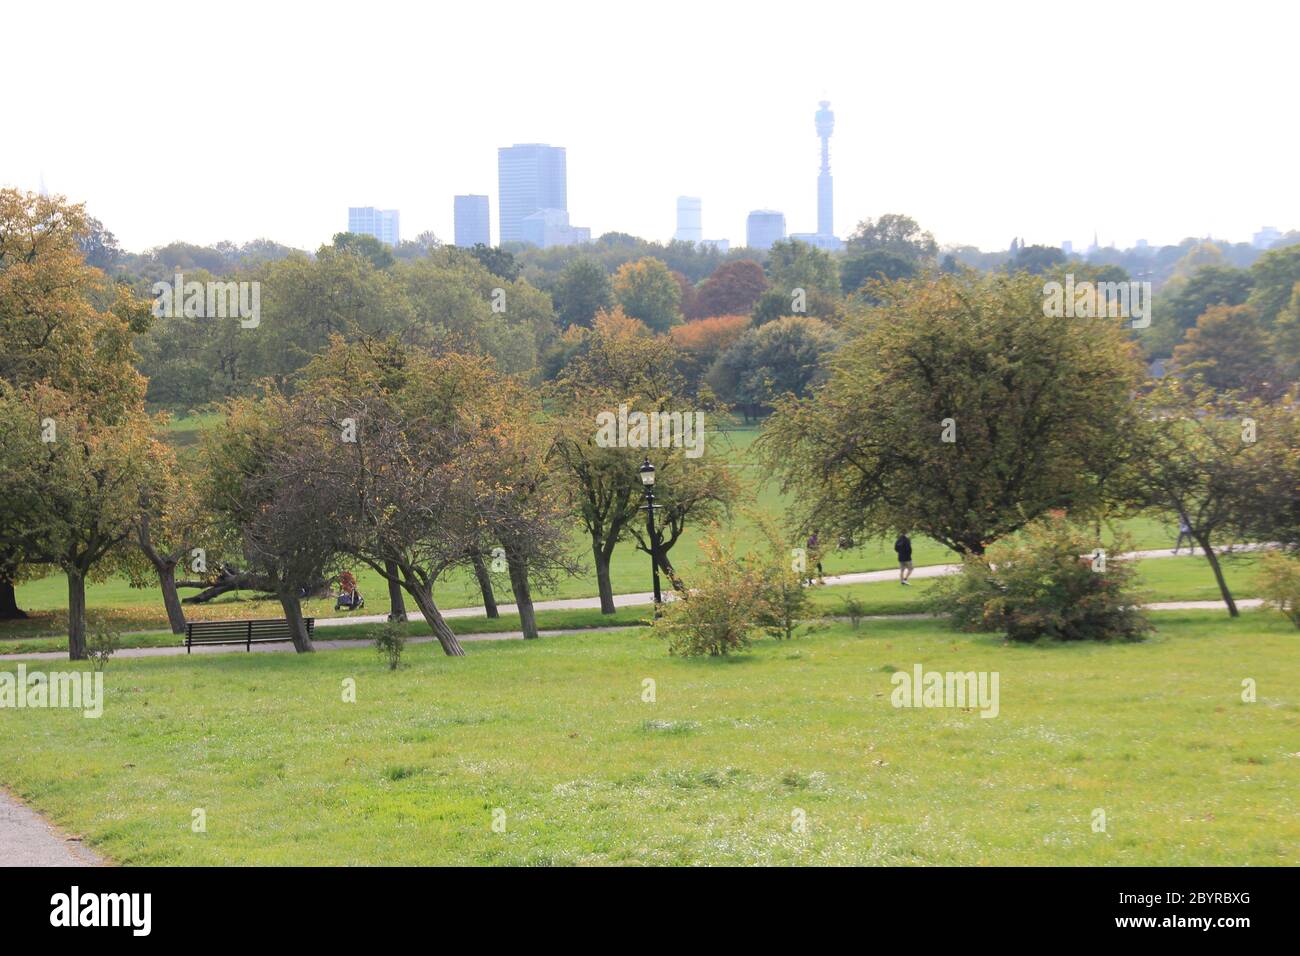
x=903 y=548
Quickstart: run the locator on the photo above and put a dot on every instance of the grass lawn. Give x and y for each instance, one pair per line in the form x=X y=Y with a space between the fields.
x=556 y=736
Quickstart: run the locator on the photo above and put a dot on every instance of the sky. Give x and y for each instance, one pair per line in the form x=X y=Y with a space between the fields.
x=984 y=121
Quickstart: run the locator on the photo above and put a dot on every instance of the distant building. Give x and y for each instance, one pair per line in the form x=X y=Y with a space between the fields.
x=1143 y=245
x=530 y=177
x=1265 y=237
x=763 y=228
x=472 y=221
x=550 y=227
x=821 y=241
x=722 y=245
x=1067 y=247
x=383 y=224
x=689 y=220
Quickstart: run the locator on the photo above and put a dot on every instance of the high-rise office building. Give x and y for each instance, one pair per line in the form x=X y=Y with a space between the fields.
x=689 y=219
x=383 y=224
x=763 y=228
x=530 y=177
x=472 y=221
x=550 y=227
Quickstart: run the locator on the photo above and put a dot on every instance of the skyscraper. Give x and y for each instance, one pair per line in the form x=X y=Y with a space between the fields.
x=689 y=219
x=530 y=177
x=383 y=224
x=764 y=227
x=472 y=221
x=825 y=194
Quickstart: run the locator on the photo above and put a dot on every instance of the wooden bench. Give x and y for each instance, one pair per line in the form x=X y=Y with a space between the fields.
x=240 y=632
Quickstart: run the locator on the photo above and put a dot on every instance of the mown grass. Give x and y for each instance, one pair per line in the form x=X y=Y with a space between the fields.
x=556 y=735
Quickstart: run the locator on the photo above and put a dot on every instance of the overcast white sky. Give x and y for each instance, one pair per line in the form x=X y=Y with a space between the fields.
x=983 y=120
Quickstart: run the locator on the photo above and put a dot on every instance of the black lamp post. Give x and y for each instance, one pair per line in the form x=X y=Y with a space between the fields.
x=648 y=482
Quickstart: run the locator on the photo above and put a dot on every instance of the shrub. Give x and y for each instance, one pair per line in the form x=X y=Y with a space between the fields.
x=1279 y=582
x=782 y=602
x=101 y=645
x=855 y=609
x=1044 y=583
x=390 y=643
x=718 y=615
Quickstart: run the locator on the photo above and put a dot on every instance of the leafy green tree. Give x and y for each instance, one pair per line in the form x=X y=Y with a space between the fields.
x=895 y=233
x=582 y=290
x=784 y=357
x=792 y=264
x=874 y=264
x=368 y=247
x=647 y=291
x=1036 y=260
x=1275 y=275
x=1230 y=350
x=958 y=410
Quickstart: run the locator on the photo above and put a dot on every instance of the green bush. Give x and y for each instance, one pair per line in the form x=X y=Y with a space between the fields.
x=718 y=615
x=1279 y=584
x=390 y=643
x=1046 y=582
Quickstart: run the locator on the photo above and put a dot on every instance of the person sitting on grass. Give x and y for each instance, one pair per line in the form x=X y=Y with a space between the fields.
x=903 y=548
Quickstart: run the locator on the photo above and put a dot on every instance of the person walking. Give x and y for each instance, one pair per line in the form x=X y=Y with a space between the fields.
x=903 y=548
x=815 y=558
x=1185 y=531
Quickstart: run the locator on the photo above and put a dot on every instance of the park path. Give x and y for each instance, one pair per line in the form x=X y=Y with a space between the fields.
x=28 y=839
x=640 y=599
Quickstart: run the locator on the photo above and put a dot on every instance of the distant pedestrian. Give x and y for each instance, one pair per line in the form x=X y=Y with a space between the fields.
x=815 y=558
x=903 y=548
x=1185 y=531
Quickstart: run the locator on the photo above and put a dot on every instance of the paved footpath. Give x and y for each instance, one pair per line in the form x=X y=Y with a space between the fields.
x=26 y=839
x=640 y=599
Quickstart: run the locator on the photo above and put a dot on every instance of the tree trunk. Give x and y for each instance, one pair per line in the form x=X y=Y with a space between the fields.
x=523 y=596
x=171 y=599
x=424 y=601
x=76 y=616
x=602 y=580
x=1218 y=576
x=292 y=605
x=396 y=600
x=9 y=610
x=485 y=585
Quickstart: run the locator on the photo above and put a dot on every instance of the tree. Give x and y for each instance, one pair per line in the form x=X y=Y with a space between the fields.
x=1193 y=454
x=792 y=264
x=895 y=233
x=701 y=341
x=1208 y=286
x=1036 y=260
x=874 y=264
x=732 y=289
x=784 y=357
x=646 y=290
x=77 y=484
x=583 y=290
x=1230 y=350
x=365 y=246
x=497 y=261
x=1275 y=275
x=956 y=409
x=65 y=327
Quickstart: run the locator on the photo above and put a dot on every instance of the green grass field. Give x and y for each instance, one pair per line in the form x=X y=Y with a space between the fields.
x=554 y=735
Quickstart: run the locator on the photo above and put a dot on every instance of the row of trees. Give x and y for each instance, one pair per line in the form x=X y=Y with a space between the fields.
x=956 y=409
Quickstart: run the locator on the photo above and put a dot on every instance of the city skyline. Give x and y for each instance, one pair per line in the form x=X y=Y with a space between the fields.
x=633 y=148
